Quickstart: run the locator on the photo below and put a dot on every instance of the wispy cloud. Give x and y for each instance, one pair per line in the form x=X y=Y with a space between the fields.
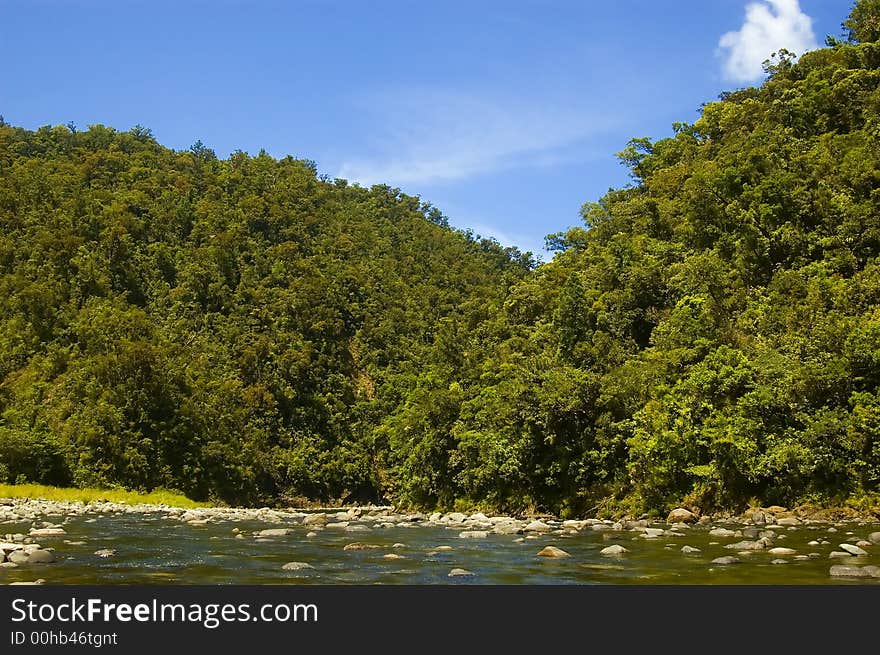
x=769 y=26
x=431 y=136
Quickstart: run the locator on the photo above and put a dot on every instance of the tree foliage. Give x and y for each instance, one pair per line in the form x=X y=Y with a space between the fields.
x=244 y=330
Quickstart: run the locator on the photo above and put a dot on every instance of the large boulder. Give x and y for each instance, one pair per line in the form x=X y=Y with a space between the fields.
x=41 y=557
x=852 y=549
x=681 y=515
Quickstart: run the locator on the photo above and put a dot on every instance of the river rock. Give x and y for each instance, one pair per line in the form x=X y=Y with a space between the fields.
x=18 y=557
x=681 y=515
x=782 y=551
x=721 y=532
x=725 y=561
x=690 y=550
x=840 y=571
x=455 y=517
x=46 y=532
x=852 y=549
x=837 y=554
x=779 y=561
x=38 y=581
x=459 y=573
x=788 y=521
x=297 y=566
x=653 y=533
x=613 y=550
x=553 y=552
x=105 y=552
x=537 y=526
x=747 y=545
x=275 y=532
x=392 y=556
x=357 y=545
x=338 y=525
x=314 y=519
x=507 y=528
x=41 y=557
x=874 y=537
x=473 y=534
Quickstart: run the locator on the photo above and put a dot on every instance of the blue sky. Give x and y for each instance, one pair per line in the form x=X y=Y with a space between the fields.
x=504 y=115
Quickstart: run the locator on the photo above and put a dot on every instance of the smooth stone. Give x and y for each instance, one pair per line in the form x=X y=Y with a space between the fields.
x=689 y=550
x=442 y=548
x=296 y=566
x=456 y=517
x=681 y=515
x=18 y=557
x=653 y=533
x=613 y=550
x=459 y=573
x=46 y=532
x=105 y=552
x=779 y=561
x=721 y=532
x=41 y=557
x=8 y=565
x=473 y=534
x=725 y=561
x=507 y=528
x=853 y=549
x=861 y=543
x=600 y=527
x=311 y=534
x=840 y=571
x=840 y=554
x=275 y=532
x=782 y=551
x=537 y=526
x=35 y=582
x=392 y=556
x=553 y=552
x=788 y=521
x=874 y=537
x=813 y=543
x=801 y=558
x=339 y=525
x=398 y=545
x=747 y=545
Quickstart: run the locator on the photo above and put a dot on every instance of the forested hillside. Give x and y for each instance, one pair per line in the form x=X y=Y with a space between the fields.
x=242 y=330
x=711 y=336
x=233 y=329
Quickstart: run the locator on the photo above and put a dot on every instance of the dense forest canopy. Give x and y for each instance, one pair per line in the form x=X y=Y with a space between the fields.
x=244 y=330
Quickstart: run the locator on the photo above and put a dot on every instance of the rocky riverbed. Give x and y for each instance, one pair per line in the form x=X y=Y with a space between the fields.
x=107 y=543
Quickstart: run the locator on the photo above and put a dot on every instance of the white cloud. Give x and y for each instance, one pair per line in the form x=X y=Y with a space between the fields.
x=431 y=136
x=769 y=26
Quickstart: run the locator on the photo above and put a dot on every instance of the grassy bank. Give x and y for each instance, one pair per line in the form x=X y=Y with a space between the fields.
x=160 y=497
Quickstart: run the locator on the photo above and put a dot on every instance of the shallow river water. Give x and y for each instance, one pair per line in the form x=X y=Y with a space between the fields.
x=153 y=548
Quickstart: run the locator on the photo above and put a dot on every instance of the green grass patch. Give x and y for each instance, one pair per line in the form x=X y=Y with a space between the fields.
x=158 y=497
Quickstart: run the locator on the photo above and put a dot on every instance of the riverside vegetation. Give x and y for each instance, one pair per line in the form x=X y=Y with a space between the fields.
x=247 y=331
